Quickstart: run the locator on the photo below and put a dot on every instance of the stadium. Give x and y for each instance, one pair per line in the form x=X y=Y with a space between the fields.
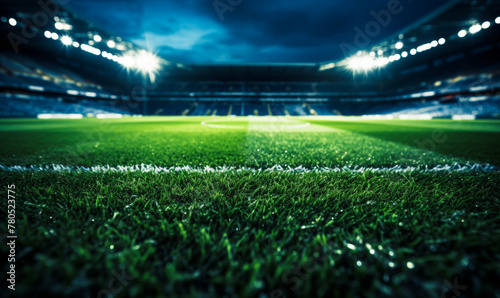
x=250 y=149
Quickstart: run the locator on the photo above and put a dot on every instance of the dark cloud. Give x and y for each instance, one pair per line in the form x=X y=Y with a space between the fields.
x=254 y=31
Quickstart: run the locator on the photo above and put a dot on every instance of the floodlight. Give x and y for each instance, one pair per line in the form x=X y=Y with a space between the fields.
x=475 y=29
x=147 y=62
x=66 y=40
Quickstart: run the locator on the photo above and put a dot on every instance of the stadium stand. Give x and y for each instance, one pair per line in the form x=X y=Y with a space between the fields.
x=458 y=76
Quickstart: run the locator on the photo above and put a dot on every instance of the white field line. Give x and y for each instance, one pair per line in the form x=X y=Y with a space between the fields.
x=143 y=168
x=222 y=126
x=264 y=123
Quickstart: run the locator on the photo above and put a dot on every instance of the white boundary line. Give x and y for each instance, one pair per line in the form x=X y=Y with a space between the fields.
x=143 y=168
x=222 y=126
x=274 y=124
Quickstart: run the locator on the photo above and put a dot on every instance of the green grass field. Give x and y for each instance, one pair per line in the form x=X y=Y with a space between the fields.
x=251 y=230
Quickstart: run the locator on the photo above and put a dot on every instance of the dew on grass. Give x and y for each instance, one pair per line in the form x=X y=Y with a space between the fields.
x=351 y=246
x=380 y=247
x=391 y=253
x=372 y=251
x=111 y=247
x=410 y=265
x=391 y=264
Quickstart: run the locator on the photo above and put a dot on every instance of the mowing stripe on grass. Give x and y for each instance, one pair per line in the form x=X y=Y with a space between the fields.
x=144 y=168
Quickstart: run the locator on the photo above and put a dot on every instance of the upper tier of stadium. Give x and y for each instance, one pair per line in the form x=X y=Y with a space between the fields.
x=449 y=56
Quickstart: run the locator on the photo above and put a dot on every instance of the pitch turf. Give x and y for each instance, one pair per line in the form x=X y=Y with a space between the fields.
x=245 y=233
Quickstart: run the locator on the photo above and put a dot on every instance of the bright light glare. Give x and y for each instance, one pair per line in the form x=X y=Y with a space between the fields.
x=399 y=45
x=127 y=61
x=147 y=62
x=364 y=63
x=497 y=20
x=47 y=34
x=66 y=40
x=76 y=44
x=111 y=44
x=462 y=33
x=475 y=29
x=434 y=43
x=54 y=36
x=404 y=54
x=486 y=25
x=424 y=47
x=59 y=26
x=441 y=41
x=90 y=49
x=380 y=62
x=143 y=61
x=97 y=38
x=413 y=51
x=12 y=22
x=360 y=63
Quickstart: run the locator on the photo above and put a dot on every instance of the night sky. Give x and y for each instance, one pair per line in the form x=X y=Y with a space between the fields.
x=255 y=31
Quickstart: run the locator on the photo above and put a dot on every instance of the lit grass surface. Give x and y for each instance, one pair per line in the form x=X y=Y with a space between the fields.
x=248 y=235
x=264 y=142
x=253 y=235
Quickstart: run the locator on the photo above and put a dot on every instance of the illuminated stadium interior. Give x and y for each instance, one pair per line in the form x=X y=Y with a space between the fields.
x=250 y=148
